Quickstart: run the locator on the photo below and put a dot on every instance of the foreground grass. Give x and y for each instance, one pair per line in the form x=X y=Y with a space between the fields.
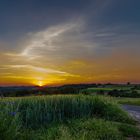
x=84 y=129
x=35 y=111
x=64 y=117
x=81 y=129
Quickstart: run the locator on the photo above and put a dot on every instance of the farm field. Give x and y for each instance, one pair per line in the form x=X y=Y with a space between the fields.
x=129 y=101
x=109 y=88
x=115 y=91
x=65 y=117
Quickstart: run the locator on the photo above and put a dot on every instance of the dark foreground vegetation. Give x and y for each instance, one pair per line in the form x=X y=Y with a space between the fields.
x=64 y=117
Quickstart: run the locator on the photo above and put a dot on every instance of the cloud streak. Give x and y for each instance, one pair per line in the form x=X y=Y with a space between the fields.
x=87 y=48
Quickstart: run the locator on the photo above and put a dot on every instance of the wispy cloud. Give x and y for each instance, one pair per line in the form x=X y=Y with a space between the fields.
x=73 y=52
x=44 y=40
x=39 y=69
x=35 y=68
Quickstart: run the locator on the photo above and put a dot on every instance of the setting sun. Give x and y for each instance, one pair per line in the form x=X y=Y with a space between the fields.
x=40 y=83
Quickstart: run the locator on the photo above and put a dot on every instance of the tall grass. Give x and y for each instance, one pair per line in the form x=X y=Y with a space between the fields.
x=62 y=117
x=37 y=111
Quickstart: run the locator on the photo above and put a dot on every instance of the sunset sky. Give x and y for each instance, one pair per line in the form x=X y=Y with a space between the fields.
x=53 y=42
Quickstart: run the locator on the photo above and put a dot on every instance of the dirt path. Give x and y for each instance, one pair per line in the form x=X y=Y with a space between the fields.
x=133 y=110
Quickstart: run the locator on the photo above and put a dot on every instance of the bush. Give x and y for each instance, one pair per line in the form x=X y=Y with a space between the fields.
x=124 y=93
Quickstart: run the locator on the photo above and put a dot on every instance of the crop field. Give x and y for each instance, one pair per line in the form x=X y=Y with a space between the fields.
x=65 y=117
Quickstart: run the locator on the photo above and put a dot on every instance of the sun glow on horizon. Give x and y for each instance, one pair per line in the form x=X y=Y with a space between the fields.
x=40 y=83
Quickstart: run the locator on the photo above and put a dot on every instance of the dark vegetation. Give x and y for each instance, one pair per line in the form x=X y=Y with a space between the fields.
x=115 y=90
x=33 y=91
x=122 y=93
x=130 y=91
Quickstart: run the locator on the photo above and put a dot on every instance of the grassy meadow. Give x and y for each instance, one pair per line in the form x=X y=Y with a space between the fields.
x=65 y=117
x=129 y=101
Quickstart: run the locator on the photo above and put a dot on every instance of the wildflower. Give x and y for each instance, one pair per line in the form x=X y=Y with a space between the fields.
x=13 y=113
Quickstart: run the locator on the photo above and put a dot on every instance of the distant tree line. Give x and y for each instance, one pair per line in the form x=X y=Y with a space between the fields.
x=35 y=91
x=122 y=93
x=69 y=89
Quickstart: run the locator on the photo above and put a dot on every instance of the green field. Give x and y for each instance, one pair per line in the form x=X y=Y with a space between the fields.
x=129 y=101
x=114 y=91
x=106 y=89
x=64 y=117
